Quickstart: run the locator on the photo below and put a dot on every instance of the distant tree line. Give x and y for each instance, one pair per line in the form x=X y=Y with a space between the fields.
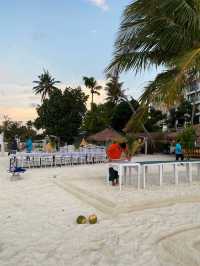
x=63 y=113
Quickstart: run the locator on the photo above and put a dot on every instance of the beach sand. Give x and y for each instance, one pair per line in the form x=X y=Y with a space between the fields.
x=156 y=226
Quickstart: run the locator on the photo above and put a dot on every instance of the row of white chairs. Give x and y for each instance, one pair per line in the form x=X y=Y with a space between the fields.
x=63 y=153
x=29 y=160
x=71 y=148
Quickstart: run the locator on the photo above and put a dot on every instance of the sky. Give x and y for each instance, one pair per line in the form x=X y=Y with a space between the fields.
x=70 y=38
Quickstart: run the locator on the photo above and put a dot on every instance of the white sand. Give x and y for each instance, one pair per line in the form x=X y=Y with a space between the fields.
x=158 y=226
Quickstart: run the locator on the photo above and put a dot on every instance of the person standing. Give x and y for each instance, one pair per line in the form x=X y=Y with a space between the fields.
x=29 y=145
x=179 y=151
x=116 y=151
x=14 y=147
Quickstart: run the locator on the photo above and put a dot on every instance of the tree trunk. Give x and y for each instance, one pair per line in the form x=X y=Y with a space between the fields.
x=92 y=101
x=193 y=113
x=194 y=107
x=193 y=110
x=193 y=81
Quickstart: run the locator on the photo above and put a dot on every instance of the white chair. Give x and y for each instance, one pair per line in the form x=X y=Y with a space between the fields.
x=36 y=161
x=58 y=160
x=67 y=160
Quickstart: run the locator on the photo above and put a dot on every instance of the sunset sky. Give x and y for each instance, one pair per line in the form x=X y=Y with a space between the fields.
x=69 y=38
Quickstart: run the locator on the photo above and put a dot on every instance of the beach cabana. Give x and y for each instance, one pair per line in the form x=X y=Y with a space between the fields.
x=105 y=136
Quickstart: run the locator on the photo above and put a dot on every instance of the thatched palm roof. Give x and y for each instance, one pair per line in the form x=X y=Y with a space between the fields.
x=108 y=134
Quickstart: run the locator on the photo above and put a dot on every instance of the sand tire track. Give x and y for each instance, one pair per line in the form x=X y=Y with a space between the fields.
x=110 y=208
x=180 y=248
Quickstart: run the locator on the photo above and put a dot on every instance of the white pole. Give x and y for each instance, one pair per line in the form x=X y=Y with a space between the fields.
x=146 y=145
x=2 y=144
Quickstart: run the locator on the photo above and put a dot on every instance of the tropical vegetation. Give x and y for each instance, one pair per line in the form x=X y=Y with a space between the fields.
x=16 y=128
x=180 y=116
x=45 y=84
x=164 y=34
x=62 y=113
x=91 y=84
x=187 y=138
x=114 y=89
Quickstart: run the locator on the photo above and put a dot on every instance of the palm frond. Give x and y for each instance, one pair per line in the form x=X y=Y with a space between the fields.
x=166 y=90
x=169 y=86
x=45 y=84
x=97 y=88
x=114 y=88
x=152 y=32
x=96 y=92
x=90 y=82
x=136 y=122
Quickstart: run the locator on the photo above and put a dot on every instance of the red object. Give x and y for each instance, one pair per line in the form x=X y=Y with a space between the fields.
x=114 y=151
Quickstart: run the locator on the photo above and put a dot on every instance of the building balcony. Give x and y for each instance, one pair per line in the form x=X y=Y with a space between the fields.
x=190 y=92
x=195 y=101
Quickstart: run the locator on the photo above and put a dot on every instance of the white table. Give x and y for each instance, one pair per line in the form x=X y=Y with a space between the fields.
x=174 y=164
x=122 y=167
x=142 y=167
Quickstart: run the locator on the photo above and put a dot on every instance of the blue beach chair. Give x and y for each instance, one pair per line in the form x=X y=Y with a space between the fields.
x=14 y=169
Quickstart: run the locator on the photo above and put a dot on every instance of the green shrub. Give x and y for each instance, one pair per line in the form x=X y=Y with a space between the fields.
x=187 y=138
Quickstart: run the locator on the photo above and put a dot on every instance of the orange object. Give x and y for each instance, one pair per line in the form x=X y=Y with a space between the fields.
x=49 y=148
x=114 y=151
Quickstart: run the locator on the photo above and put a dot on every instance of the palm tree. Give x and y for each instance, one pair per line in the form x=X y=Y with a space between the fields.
x=114 y=89
x=160 y=33
x=116 y=93
x=29 y=124
x=91 y=84
x=45 y=84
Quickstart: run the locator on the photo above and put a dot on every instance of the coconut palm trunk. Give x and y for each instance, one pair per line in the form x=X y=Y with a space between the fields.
x=194 y=106
x=142 y=124
x=92 y=101
x=116 y=93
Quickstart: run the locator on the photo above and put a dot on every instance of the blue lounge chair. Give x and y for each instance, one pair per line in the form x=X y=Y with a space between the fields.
x=14 y=169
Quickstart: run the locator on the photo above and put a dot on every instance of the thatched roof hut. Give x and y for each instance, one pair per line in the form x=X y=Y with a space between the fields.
x=107 y=135
x=168 y=137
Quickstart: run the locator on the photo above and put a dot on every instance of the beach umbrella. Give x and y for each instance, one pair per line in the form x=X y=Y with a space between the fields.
x=83 y=143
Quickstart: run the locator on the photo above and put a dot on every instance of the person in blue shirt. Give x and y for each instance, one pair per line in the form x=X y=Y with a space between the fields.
x=179 y=151
x=29 y=145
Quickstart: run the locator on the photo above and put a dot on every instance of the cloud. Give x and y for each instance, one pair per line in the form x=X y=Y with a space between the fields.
x=18 y=113
x=2 y=92
x=100 y=3
x=93 y=31
x=39 y=36
x=18 y=101
x=33 y=105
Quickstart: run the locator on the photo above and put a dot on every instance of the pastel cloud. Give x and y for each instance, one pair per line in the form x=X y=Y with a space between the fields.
x=18 y=113
x=18 y=102
x=100 y=3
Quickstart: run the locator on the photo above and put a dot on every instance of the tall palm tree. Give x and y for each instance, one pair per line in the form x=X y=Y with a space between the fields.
x=45 y=84
x=160 y=33
x=91 y=84
x=116 y=93
x=114 y=89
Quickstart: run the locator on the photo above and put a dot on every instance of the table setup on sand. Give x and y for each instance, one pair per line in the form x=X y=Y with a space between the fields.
x=126 y=171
